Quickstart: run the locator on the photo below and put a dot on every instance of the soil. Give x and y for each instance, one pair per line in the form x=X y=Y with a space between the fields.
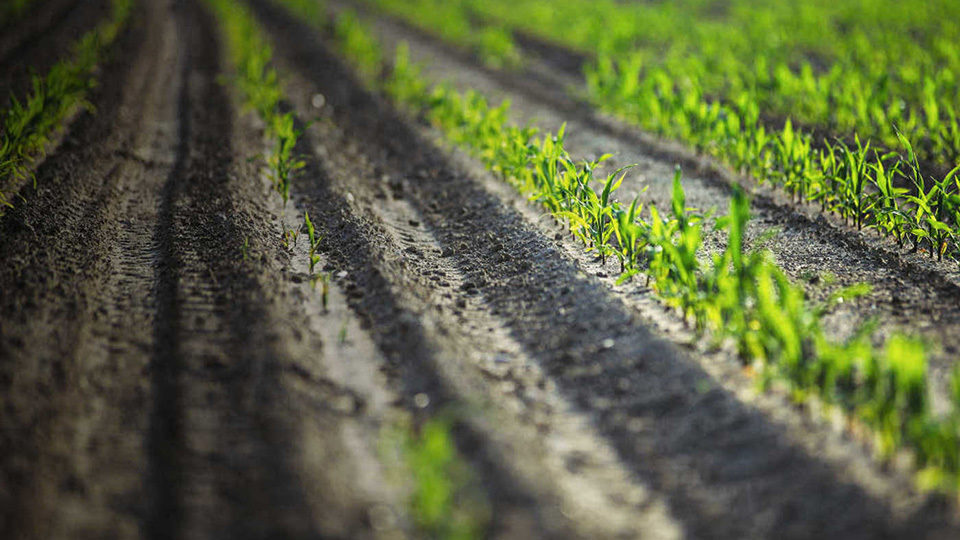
x=167 y=370
x=911 y=293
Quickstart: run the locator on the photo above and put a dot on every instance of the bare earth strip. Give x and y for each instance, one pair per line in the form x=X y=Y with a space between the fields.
x=726 y=468
x=154 y=382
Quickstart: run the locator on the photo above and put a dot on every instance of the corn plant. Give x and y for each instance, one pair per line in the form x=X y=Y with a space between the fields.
x=314 y=239
x=282 y=162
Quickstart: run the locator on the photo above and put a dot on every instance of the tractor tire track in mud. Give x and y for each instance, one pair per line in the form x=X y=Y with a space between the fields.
x=680 y=434
x=154 y=382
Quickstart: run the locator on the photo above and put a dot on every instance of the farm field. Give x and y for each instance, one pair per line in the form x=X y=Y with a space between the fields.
x=479 y=269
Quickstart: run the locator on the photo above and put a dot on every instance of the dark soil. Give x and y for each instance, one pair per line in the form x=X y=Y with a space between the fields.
x=561 y=320
x=911 y=293
x=168 y=371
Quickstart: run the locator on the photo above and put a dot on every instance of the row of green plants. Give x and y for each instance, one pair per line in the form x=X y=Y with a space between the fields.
x=867 y=186
x=492 y=44
x=736 y=296
x=30 y=121
x=443 y=501
x=860 y=66
x=259 y=84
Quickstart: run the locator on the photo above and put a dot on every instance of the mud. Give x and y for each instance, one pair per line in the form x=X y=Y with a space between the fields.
x=167 y=369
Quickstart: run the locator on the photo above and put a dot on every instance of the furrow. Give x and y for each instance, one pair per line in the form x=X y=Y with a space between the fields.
x=908 y=291
x=681 y=432
x=483 y=365
x=258 y=430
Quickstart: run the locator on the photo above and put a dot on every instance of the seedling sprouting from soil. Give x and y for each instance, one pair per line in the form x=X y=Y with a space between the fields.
x=314 y=239
x=290 y=236
x=342 y=335
x=324 y=280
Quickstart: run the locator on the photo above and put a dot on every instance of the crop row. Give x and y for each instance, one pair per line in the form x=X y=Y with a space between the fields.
x=738 y=296
x=28 y=124
x=444 y=500
x=492 y=44
x=259 y=84
x=863 y=185
x=862 y=66
x=868 y=187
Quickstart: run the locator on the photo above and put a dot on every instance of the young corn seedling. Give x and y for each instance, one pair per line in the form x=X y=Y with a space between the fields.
x=793 y=156
x=289 y=237
x=282 y=162
x=855 y=166
x=324 y=279
x=631 y=234
x=314 y=240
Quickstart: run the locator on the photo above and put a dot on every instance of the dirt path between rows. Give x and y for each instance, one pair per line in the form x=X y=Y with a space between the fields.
x=155 y=381
x=724 y=468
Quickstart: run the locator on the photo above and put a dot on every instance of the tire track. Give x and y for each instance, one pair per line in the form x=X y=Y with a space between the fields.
x=219 y=466
x=76 y=315
x=243 y=416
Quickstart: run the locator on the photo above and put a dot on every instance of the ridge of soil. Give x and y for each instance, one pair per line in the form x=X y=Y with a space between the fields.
x=909 y=292
x=641 y=392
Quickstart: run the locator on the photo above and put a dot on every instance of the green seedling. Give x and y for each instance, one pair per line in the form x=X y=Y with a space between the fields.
x=314 y=240
x=342 y=334
x=290 y=236
x=324 y=279
x=444 y=500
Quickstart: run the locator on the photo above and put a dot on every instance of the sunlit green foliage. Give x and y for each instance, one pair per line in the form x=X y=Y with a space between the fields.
x=358 y=46
x=728 y=77
x=857 y=66
x=30 y=122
